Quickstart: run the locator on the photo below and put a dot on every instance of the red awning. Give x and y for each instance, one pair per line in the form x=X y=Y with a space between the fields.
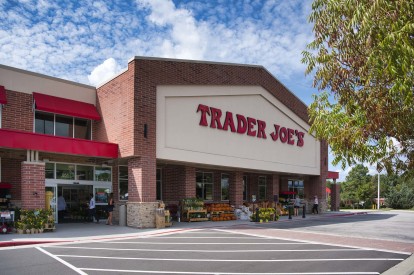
x=288 y=193
x=4 y=185
x=53 y=144
x=3 y=99
x=333 y=175
x=65 y=106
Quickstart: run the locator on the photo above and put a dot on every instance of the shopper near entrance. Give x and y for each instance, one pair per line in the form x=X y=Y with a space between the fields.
x=92 y=209
x=315 y=205
x=110 y=208
x=61 y=207
x=297 y=204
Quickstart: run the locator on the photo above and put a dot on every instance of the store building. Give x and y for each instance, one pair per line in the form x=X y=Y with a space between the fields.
x=162 y=129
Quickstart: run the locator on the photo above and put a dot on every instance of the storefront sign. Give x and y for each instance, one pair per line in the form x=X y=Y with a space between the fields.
x=240 y=124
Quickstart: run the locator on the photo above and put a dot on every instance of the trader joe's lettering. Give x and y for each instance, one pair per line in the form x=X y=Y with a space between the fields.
x=240 y=124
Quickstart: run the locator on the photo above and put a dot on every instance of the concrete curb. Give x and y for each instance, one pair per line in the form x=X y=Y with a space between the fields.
x=406 y=267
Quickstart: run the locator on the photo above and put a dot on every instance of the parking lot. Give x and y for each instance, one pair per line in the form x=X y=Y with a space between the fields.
x=218 y=251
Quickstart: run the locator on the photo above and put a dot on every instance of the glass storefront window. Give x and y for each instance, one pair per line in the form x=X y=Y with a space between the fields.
x=64 y=126
x=225 y=179
x=297 y=186
x=159 y=184
x=101 y=195
x=82 y=128
x=204 y=185
x=123 y=182
x=44 y=123
x=262 y=188
x=50 y=170
x=103 y=173
x=84 y=172
x=65 y=171
x=245 y=188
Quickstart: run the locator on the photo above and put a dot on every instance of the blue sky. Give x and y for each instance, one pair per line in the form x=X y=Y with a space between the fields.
x=89 y=41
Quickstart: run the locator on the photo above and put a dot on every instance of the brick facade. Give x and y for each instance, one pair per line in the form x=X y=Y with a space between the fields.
x=33 y=185
x=127 y=105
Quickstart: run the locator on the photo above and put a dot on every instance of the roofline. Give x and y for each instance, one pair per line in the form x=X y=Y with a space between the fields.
x=214 y=62
x=198 y=61
x=46 y=76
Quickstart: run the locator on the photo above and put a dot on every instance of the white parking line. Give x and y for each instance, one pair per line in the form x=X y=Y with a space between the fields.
x=228 y=273
x=62 y=261
x=244 y=238
x=164 y=243
x=208 y=251
x=224 y=260
x=313 y=242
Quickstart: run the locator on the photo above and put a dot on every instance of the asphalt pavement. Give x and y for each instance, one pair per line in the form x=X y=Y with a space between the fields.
x=305 y=229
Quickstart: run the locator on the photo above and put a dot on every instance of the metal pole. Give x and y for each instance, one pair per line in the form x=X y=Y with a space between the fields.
x=378 y=202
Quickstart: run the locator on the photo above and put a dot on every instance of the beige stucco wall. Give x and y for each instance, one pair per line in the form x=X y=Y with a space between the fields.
x=181 y=138
x=28 y=82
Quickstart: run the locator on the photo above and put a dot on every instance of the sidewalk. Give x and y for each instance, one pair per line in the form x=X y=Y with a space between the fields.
x=70 y=232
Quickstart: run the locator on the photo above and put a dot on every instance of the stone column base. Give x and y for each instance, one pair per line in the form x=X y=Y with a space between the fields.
x=141 y=214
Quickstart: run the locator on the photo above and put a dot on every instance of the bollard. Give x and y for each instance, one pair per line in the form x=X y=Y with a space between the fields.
x=257 y=214
x=304 y=212
x=290 y=212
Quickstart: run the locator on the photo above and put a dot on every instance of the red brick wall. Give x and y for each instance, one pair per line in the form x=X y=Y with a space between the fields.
x=17 y=114
x=10 y=171
x=335 y=197
x=272 y=187
x=115 y=102
x=141 y=184
x=236 y=188
x=178 y=182
x=33 y=185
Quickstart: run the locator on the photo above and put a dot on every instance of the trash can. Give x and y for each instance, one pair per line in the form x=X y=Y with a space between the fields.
x=122 y=215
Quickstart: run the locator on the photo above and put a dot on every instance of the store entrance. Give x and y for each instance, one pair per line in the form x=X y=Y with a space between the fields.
x=77 y=199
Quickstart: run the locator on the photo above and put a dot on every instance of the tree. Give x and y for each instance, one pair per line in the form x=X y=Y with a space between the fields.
x=358 y=186
x=363 y=64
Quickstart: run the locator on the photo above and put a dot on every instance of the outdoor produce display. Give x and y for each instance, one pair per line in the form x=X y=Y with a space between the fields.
x=221 y=212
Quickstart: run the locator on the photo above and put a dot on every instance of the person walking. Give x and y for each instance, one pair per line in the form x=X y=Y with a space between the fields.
x=92 y=209
x=61 y=208
x=315 y=205
x=296 y=205
x=110 y=208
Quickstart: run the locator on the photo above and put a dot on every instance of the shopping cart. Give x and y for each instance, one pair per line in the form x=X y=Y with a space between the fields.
x=7 y=221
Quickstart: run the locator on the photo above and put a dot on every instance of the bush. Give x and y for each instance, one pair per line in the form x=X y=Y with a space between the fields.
x=402 y=198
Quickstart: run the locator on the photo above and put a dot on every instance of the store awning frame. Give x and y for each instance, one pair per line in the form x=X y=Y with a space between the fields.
x=3 y=98
x=64 y=106
x=15 y=139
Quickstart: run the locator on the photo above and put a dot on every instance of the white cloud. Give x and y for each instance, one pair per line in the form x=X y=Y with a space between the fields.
x=104 y=71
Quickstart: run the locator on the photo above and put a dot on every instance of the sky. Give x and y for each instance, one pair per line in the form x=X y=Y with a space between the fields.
x=89 y=41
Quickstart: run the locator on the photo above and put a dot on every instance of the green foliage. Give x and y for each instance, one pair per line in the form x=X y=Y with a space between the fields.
x=401 y=198
x=35 y=218
x=362 y=58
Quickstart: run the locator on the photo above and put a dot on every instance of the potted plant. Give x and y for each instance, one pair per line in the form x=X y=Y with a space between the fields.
x=19 y=227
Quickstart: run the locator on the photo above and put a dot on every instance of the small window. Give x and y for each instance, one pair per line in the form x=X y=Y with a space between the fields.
x=103 y=173
x=50 y=170
x=101 y=195
x=245 y=188
x=65 y=171
x=64 y=126
x=84 y=172
x=262 y=188
x=204 y=185
x=82 y=128
x=225 y=179
x=159 y=184
x=44 y=123
x=123 y=182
